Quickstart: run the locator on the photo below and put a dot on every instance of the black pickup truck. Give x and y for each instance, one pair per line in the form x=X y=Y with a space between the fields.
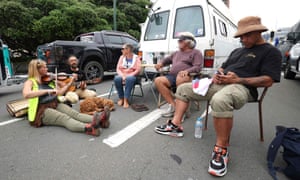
x=97 y=52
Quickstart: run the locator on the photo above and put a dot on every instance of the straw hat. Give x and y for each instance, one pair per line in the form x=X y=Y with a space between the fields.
x=249 y=24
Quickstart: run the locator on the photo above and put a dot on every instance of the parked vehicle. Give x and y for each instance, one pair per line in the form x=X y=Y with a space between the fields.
x=286 y=44
x=209 y=20
x=281 y=33
x=97 y=52
x=7 y=76
x=292 y=67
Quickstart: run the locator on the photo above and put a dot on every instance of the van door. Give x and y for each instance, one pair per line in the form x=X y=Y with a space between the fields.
x=224 y=41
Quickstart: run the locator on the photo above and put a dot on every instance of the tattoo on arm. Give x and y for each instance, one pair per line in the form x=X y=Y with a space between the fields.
x=261 y=81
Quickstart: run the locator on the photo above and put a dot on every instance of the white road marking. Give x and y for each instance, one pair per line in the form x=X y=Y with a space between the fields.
x=120 y=137
x=11 y=121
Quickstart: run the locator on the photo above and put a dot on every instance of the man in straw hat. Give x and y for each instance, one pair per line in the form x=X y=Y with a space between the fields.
x=256 y=64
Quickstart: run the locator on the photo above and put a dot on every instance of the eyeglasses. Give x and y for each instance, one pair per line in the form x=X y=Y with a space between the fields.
x=123 y=48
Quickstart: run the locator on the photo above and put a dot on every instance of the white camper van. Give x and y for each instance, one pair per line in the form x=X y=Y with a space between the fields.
x=209 y=20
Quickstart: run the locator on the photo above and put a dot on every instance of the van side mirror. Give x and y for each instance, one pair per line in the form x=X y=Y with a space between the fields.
x=158 y=19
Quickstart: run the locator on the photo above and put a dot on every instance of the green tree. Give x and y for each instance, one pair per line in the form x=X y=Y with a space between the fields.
x=25 y=24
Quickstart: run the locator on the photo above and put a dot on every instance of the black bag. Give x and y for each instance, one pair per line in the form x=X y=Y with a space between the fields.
x=289 y=138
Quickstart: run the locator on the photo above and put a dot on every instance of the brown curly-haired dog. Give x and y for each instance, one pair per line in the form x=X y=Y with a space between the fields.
x=95 y=104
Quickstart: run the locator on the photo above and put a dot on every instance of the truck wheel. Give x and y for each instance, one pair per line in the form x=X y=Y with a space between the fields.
x=288 y=74
x=94 y=72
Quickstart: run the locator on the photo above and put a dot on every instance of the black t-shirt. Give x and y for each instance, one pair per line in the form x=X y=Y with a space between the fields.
x=257 y=61
x=81 y=76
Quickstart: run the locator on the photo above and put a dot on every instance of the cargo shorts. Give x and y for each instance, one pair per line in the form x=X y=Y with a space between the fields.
x=223 y=98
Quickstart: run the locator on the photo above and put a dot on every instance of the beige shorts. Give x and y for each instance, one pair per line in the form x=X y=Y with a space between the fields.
x=223 y=98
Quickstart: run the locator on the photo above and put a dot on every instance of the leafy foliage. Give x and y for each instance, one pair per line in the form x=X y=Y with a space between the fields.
x=25 y=24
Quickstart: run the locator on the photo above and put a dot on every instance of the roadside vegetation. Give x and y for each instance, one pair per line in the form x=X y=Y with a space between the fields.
x=25 y=24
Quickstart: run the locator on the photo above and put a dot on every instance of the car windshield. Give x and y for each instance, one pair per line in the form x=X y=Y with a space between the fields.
x=189 y=19
x=157 y=26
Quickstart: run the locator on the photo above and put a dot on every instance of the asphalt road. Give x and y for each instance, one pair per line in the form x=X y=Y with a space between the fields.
x=55 y=153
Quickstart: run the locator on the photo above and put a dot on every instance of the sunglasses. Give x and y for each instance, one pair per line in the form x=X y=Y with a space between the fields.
x=123 y=48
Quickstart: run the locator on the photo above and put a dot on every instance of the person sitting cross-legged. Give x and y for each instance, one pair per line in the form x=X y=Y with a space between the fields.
x=186 y=60
x=256 y=64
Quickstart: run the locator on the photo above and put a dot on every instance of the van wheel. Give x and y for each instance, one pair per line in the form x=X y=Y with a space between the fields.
x=288 y=74
x=94 y=72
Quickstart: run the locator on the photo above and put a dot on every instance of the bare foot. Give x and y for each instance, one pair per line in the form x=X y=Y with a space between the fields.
x=126 y=104
x=120 y=102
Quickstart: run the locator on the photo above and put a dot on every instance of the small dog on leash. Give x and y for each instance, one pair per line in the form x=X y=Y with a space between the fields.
x=95 y=104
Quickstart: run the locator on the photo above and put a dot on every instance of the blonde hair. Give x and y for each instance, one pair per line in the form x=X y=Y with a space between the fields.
x=33 y=68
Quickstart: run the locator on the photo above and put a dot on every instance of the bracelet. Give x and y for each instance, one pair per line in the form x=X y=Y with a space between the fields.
x=48 y=92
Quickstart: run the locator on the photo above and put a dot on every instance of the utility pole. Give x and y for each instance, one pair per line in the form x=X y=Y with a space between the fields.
x=115 y=14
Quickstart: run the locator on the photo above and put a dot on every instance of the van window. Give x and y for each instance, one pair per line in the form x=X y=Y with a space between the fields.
x=157 y=26
x=215 y=25
x=223 y=28
x=189 y=19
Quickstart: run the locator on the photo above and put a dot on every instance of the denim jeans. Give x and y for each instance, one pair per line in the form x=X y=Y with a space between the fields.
x=129 y=84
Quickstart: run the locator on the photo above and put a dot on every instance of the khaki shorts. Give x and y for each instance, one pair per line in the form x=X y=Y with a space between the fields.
x=223 y=98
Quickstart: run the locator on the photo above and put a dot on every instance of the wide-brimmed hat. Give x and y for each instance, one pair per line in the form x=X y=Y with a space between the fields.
x=249 y=24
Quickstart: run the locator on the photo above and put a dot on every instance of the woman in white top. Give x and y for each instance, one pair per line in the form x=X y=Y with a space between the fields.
x=128 y=68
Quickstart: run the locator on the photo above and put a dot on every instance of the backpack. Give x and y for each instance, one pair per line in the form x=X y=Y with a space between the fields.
x=289 y=138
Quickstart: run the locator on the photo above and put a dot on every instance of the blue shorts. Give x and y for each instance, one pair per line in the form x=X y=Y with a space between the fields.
x=172 y=79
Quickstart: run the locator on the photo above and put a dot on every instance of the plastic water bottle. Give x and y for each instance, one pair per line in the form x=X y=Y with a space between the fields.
x=198 y=128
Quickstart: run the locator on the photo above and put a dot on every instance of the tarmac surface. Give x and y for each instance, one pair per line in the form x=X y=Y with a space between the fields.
x=28 y=153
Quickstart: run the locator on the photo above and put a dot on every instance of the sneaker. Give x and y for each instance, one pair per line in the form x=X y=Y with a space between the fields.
x=91 y=130
x=102 y=118
x=169 y=129
x=169 y=112
x=218 y=164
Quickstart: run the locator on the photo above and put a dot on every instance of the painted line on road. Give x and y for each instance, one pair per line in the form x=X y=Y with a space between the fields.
x=120 y=137
x=11 y=121
x=128 y=132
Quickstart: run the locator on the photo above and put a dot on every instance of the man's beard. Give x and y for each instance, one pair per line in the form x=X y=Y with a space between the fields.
x=74 y=66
